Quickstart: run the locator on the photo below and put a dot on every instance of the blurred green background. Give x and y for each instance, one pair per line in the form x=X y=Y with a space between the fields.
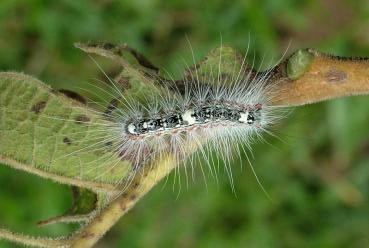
x=317 y=177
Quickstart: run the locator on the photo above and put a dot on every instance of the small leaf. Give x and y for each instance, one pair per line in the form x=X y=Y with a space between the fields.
x=299 y=63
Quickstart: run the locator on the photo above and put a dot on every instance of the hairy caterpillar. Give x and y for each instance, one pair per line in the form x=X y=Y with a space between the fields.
x=209 y=110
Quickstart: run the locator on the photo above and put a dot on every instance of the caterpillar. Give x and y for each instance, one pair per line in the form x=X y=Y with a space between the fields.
x=217 y=114
x=190 y=118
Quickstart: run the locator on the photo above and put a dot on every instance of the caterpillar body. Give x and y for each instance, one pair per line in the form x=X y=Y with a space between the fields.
x=200 y=115
x=212 y=113
x=208 y=112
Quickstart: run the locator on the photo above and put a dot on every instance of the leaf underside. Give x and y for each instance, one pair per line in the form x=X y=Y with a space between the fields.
x=49 y=132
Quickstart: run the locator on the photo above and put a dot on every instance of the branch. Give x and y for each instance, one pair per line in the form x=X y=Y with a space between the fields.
x=142 y=183
x=309 y=76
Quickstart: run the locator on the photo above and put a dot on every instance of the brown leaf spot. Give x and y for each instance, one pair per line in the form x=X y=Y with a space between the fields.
x=99 y=218
x=112 y=106
x=135 y=185
x=67 y=141
x=38 y=107
x=335 y=76
x=124 y=82
x=73 y=95
x=80 y=119
x=133 y=197
x=123 y=206
x=107 y=46
x=87 y=235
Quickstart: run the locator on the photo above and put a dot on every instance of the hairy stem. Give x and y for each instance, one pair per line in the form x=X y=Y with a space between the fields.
x=309 y=77
x=142 y=183
x=32 y=241
x=65 y=219
x=95 y=186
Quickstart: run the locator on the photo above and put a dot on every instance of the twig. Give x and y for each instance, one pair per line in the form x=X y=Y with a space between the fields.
x=309 y=76
x=95 y=186
x=32 y=241
x=140 y=185
x=65 y=219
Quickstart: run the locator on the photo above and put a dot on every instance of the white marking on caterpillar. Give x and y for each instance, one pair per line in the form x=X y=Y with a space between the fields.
x=131 y=128
x=188 y=118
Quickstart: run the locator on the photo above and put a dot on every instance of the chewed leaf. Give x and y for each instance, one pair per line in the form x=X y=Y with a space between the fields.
x=133 y=82
x=48 y=134
x=115 y=52
x=223 y=64
x=84 y=201
x=84 y=205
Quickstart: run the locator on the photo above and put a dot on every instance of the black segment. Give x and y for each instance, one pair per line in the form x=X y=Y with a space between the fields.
x=140 y=127
x=211 y=113
x=173 y=120
x=153 y=125
x=250 y=118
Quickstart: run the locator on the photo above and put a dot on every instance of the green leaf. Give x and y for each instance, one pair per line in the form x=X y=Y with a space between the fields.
x=51 y=135
x=223 y=64
x=46 y=133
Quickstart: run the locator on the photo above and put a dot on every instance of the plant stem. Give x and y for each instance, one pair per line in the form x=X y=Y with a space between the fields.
x=33 y=241
x=322 y=77
x=142 y=183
